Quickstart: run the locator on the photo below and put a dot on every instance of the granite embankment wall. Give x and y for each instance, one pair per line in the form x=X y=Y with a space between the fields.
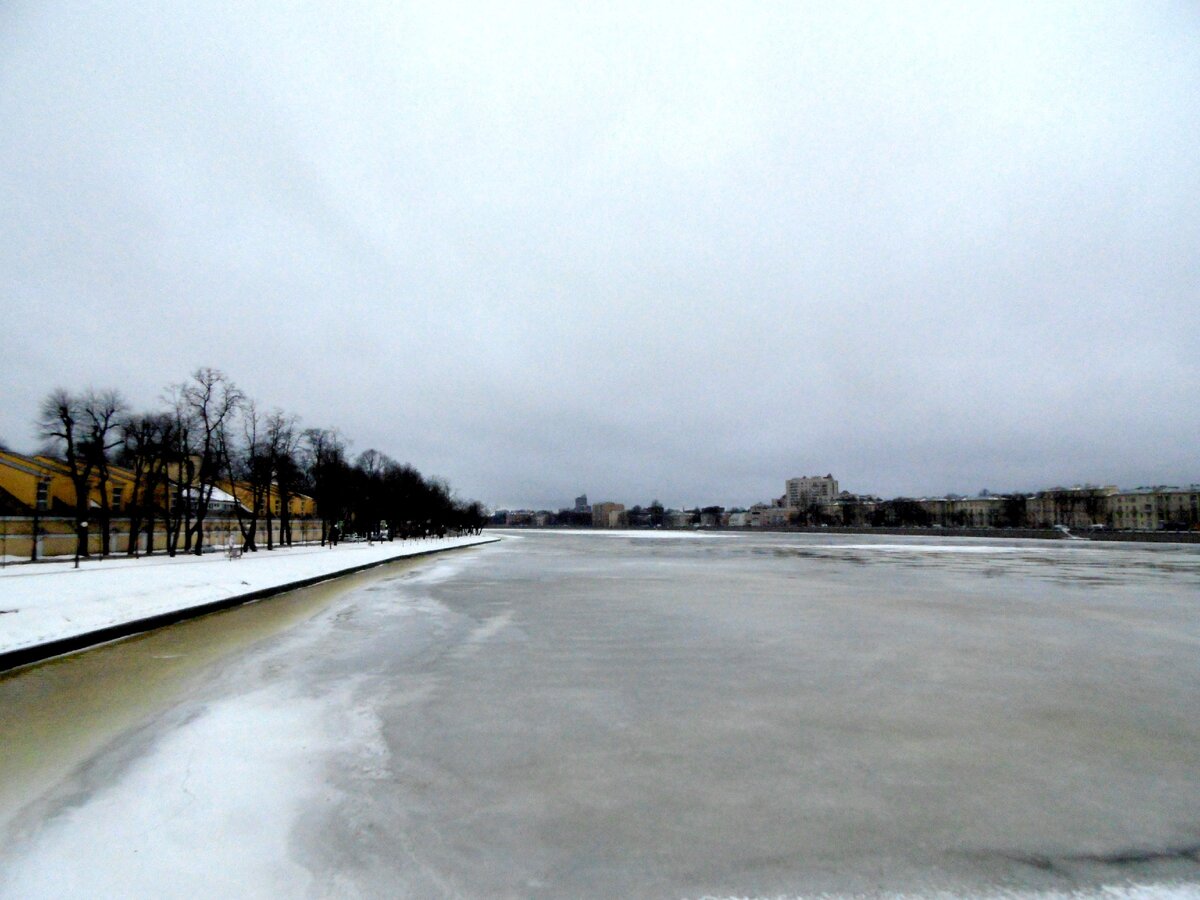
x=1169 y=537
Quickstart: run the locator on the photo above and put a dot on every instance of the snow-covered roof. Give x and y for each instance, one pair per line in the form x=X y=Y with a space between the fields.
x=217 y=496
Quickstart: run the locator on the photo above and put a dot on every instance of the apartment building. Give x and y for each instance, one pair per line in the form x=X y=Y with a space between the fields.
x=991 y=511
x=1149 y=509
x=803 y=492
x=608 y=515
x=1081 y=506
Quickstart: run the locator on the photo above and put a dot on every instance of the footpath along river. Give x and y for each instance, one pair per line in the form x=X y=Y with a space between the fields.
x=622 y=714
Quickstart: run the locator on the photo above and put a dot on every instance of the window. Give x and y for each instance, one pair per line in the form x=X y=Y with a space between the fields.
x=117 y=496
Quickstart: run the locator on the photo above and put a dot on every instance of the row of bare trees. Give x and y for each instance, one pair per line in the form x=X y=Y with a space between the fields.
x=209 y=433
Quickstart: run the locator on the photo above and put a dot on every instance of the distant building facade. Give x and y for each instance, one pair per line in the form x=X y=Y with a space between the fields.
x=808 y=501
x=608 y=515
x=978 y=512
x=810 y=490
x=850 y=510
x=680 y=518
x=969 y=512
x=1151 y=509
x=1082 y=506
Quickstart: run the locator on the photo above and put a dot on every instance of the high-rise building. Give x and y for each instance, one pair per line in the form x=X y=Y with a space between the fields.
x=804 y=491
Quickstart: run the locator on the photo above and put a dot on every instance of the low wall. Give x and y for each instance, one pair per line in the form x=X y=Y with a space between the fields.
x=1039 y=533
x=1153 y=537
x=1052 y=534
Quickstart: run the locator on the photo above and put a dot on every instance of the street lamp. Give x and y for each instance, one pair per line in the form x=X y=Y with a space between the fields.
x=81 y=539
x=39 y=504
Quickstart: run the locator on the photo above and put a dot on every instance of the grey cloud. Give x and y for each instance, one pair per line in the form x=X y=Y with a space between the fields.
x=673 y=251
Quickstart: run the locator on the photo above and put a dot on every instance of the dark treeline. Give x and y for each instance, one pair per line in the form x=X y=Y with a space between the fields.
x=210 y=449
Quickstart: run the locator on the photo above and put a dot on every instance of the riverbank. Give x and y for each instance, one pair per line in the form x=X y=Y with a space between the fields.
x=1050 y=534
x=53 y=608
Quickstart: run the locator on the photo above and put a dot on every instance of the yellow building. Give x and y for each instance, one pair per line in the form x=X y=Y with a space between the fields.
x=47 y=482
x=120 y=485
x=300 y=506
x=121 y=489
x=31 y=483
x=26 y=480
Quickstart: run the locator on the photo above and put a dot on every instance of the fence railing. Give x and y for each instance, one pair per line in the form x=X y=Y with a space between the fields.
x=56 y=536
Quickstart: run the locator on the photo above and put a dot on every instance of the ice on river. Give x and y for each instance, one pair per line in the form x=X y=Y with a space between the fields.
x=587 y=716
x=206 y=811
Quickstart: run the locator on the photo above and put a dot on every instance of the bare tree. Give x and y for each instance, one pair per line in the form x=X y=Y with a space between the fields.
x=179 y=456
x=369 y=492
x=248 y=466
x=144 y=440
x=178 y=471
x=101 y=413
x=324 y=463
x=60 y=425
x=209 y=400
x=282 y=440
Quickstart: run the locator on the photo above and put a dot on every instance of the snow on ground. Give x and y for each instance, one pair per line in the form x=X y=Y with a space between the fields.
x=48 y=601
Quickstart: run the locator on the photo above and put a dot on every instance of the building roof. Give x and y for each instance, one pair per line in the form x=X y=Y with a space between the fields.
x=217 y=496
x=21 y=463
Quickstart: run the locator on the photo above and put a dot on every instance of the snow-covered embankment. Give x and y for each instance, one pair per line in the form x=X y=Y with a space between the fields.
x=55 y=608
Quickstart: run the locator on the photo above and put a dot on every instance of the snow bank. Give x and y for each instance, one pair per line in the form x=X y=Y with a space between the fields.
x=52 y=601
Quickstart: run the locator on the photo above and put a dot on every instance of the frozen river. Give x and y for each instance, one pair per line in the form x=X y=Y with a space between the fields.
x=615 y=715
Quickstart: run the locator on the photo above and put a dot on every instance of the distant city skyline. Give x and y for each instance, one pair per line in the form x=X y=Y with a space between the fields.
x=814 y=503
x=644 y=251
x=783 y=495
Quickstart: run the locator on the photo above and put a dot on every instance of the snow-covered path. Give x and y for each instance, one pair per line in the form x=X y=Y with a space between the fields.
x=51 y=601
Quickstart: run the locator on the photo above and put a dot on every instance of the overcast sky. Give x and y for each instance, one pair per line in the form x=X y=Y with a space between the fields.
x=675 y=251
